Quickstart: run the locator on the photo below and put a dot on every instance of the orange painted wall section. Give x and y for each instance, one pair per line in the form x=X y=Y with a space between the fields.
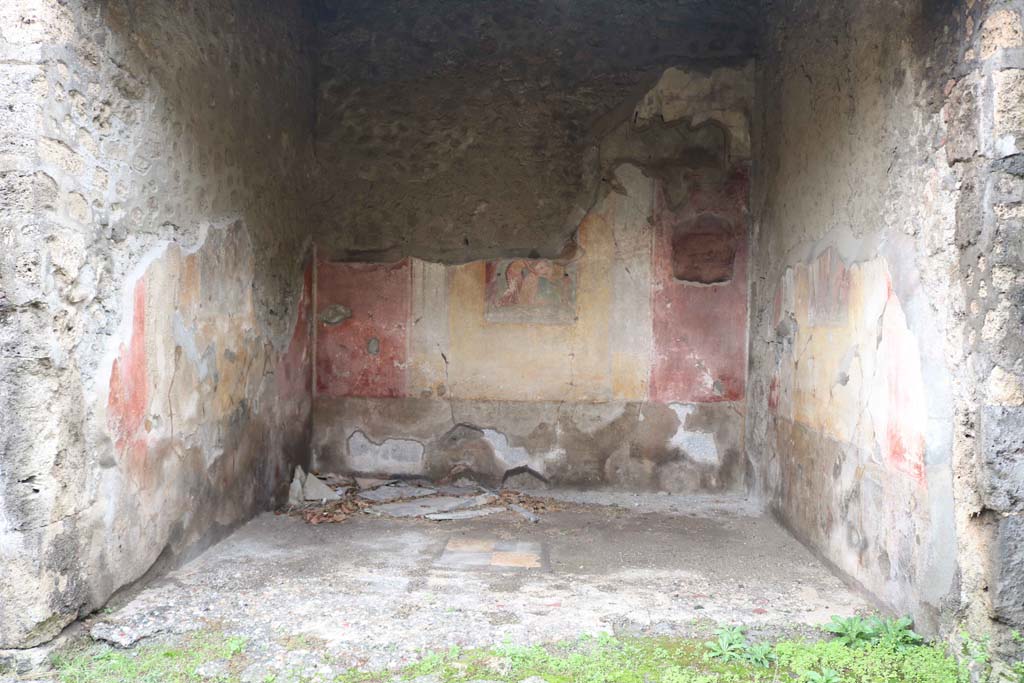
x=854 y=371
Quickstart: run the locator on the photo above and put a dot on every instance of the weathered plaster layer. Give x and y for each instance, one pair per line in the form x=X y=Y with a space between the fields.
x=154 y=373
x=606 y=324
x=678 y=447
x=486 y=113
x=883 y=284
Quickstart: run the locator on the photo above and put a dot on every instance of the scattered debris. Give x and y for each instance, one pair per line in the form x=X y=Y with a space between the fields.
x=420 y=507
x=477 y=501
x=337 y=511
x=387 y=494
x=307 y=488
x=341 y=497
x=313 y=489
x=523 y=512
x=337 y=481
x=295 y=497
x=365 y=483
x=455 y=490
x=536 y=505
x=463 y=514
x=524 y=479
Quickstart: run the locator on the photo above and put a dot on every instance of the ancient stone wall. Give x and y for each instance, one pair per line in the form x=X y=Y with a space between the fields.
x=885 y=325
x=155 y=365
x=620 y=362
x=465 y=133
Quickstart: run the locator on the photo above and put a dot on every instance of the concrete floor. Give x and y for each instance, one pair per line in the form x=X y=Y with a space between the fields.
x=376 y=592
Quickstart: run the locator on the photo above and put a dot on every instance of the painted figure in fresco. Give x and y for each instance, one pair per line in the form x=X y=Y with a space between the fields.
x=531 y=283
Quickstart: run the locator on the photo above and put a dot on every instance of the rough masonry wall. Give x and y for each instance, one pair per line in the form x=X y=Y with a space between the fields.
x=621 y=363
x=462 y=130
x=885 y=333
x=154 y=280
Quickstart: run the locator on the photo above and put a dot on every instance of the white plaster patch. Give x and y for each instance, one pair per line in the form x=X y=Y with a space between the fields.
x=391 y=456
x=510 y=456
x=10 y=540
x=698 y=446
x=516 y=456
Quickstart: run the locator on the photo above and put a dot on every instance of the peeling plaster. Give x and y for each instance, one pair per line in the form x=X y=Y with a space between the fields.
x=698 y=446
x=393 y=456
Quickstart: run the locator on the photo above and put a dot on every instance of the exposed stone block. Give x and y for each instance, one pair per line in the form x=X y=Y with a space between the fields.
x=1008 y=115
x=1008 y=572
x=961 y=116
x=1004 y=388
x=1002 y=457
x=1001 y=30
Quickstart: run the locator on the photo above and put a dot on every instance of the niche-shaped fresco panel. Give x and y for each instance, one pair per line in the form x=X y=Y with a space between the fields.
x=703 y=250
x=530 y=291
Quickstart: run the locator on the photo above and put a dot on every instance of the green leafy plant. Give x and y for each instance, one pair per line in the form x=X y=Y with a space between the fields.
x=857 y=631
x=730 y=646
x=824 y=676
x=975 y=650
x=761 y=654
x=851 y=631
x=894 y=632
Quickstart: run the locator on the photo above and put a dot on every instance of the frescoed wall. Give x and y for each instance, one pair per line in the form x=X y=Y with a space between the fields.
x=154 y=354
x=363 y=332
x=196 y=391
x=598 y=368
x=620 y=362
x=700 y=292
x=852 y=369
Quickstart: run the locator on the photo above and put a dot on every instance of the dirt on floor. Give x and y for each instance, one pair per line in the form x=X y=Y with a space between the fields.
x=377 y=592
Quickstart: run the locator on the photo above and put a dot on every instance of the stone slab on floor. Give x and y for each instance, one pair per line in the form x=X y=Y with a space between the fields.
x=464 y=514
x=369 y=593
x=418 y=508
x=387 y=494
x=493 y=554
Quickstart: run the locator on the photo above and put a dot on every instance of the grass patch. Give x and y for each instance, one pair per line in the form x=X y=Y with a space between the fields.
x=871 y=651
x=151 y=663
x=728 y=659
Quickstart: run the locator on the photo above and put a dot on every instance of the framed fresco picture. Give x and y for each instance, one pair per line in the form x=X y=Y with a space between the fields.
x=530 y=291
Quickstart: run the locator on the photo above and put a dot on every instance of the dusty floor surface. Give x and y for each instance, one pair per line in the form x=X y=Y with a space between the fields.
x=375 y=592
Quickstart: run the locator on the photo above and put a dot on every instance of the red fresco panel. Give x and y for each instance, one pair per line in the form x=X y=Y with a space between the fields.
x=378 y=296
x=128 y=399
x=700 y=352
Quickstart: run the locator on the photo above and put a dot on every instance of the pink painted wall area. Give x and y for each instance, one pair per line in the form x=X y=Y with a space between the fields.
x=700 y=352
x=129 y=389
x=378 y=296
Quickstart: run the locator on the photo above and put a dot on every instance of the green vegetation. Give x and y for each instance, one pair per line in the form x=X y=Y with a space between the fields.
x=890 y=656
x=152 y=663
x=862 y=650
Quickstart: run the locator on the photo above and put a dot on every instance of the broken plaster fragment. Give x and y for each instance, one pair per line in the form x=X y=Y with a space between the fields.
x=335 y=314
x=387 y=494
x=463 y=514
x=315 y=490
x=295 y=496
